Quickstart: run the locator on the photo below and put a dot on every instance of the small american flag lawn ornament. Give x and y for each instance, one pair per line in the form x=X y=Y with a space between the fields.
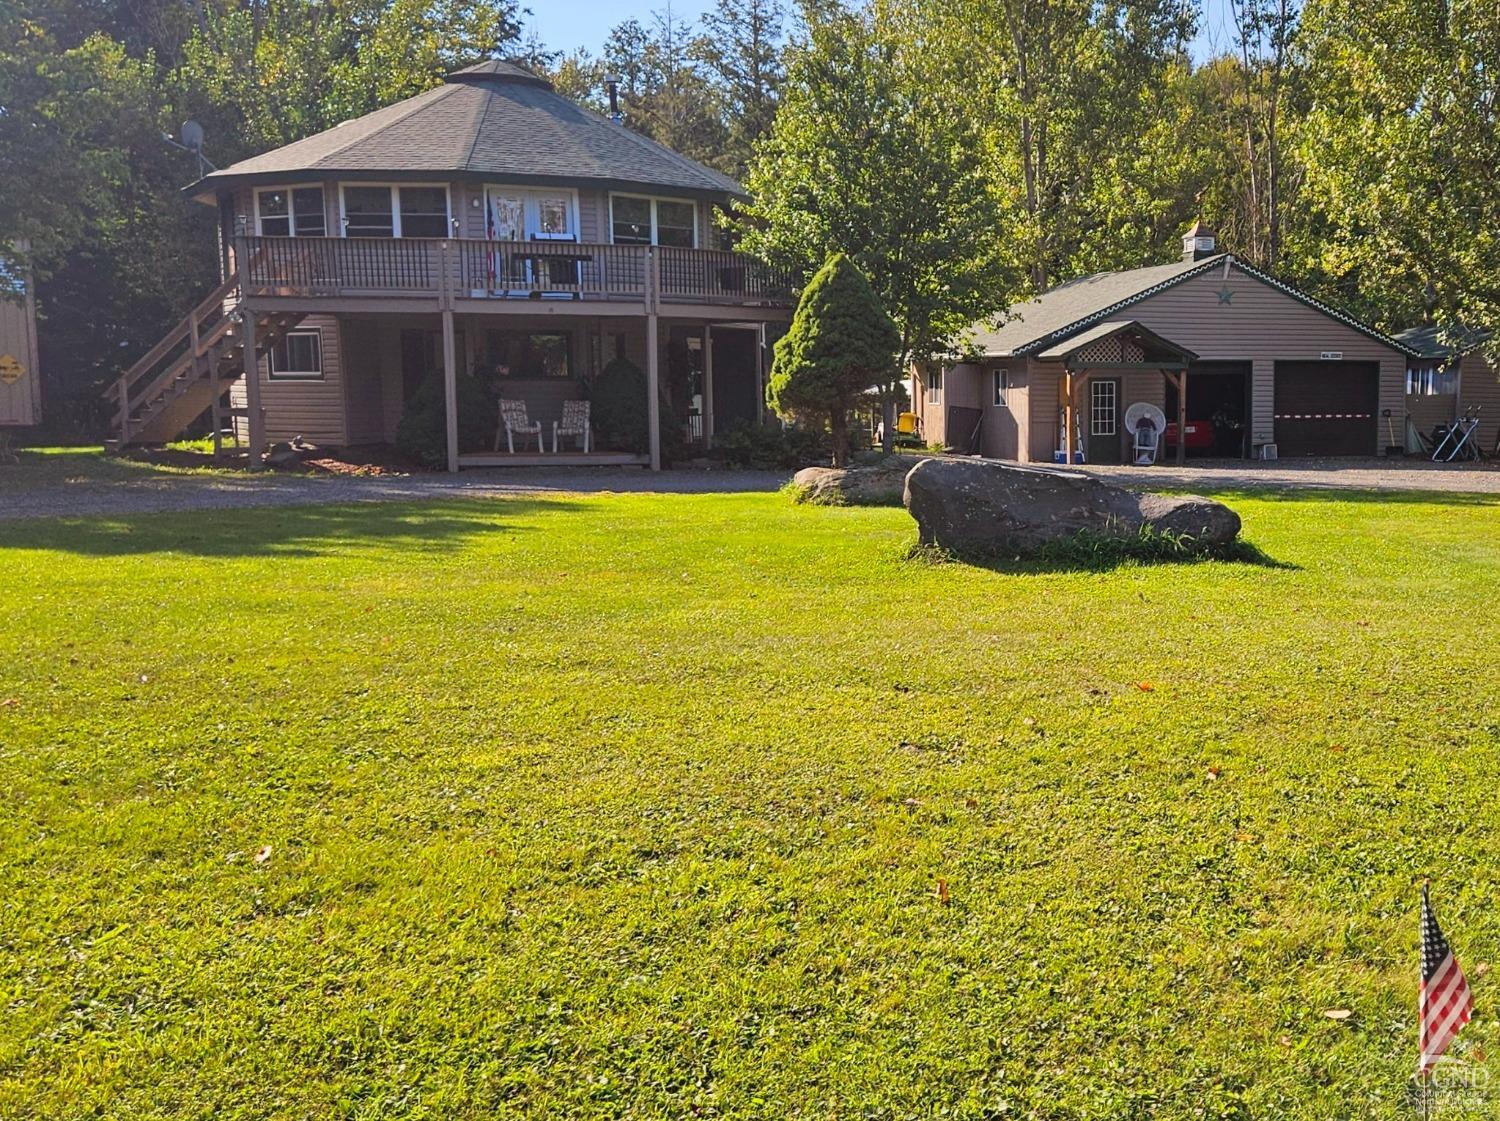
x=1445 y=1001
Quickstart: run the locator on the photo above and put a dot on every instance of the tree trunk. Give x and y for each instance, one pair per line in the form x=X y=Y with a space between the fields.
x=888 y=424
x=838 y=424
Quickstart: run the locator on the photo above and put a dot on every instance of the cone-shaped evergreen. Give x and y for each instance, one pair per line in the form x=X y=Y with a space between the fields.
x=841 y=343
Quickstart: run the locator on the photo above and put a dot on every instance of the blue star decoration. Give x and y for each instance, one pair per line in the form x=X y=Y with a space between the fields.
x=1225 y=294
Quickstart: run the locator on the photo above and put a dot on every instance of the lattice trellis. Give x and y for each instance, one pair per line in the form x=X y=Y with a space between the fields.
x=1111 y=351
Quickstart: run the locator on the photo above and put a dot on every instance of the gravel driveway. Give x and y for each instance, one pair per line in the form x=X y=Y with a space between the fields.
x=156 y=493
x=86 y=497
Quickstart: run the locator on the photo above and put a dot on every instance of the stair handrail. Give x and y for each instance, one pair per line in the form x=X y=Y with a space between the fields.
x=185 y=330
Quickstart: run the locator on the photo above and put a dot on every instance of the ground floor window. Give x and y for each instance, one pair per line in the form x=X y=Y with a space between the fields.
x=934 y=386
x=1429 y=381
x=528 y=354
x=298 y=355
x=1002 y=386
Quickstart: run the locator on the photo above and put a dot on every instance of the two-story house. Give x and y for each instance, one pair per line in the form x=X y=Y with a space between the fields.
x=489 y=226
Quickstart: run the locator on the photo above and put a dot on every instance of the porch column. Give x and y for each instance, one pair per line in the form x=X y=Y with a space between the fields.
x=450 y=387
x=708 y=386
x=251 y=365
x=1068 y=418
x=653 y=362
x=760 y=374
x=1182 y=416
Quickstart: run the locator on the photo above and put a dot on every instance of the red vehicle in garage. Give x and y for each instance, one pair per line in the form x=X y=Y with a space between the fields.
x=1200 y=435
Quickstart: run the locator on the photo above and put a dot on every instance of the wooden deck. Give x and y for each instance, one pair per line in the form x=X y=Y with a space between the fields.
x=525 y=275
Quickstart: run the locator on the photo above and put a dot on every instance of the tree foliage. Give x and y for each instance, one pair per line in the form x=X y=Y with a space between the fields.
x=840 y=343
x=868 y=159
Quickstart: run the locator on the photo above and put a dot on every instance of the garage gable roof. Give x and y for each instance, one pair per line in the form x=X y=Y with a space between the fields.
x=1129 y=327
x=1076 y=305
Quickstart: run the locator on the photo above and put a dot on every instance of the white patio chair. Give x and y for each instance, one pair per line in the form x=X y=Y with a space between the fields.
x=1146 y=425
x=514 y=422
x=575 y=422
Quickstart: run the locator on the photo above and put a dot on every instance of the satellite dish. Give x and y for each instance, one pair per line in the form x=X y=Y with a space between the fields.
x=192 y=135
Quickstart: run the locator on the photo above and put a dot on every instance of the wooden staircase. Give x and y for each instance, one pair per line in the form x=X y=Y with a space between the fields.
x=188 y=372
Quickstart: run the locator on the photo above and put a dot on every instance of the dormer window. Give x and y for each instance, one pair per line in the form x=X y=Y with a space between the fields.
x=291 y=212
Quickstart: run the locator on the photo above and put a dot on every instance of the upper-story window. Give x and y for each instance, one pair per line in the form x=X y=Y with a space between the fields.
x=638 y=220
x=291 y=212
x=390 y=211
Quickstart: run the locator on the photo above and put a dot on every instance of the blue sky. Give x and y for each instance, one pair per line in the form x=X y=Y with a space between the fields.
x=567 y=24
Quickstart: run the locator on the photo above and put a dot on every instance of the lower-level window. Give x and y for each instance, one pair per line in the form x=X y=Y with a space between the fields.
x=298 y=355
x=528 y=354
x=1002 y=386
x=934 y=387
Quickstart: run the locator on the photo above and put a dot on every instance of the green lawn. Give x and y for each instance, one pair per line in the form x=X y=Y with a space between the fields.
x=639 y=807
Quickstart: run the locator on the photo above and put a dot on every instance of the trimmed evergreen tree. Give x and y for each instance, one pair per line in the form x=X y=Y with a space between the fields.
x=840 y=345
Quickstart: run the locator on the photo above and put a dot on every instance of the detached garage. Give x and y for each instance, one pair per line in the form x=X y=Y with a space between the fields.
x=1327 y=408
x=1240 y=364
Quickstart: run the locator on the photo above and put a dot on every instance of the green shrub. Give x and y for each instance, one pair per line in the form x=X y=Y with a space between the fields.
x=769 y=447
x=423 y=431
x=618 y=414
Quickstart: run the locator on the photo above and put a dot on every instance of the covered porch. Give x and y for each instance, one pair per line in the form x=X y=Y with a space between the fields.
x=1107 y=368
x=708 y=373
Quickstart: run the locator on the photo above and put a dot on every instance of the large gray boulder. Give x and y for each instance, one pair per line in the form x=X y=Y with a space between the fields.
x=980 y=507
x=882 y=483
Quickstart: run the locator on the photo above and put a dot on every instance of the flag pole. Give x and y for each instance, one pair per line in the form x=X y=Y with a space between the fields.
x=1423 y=1076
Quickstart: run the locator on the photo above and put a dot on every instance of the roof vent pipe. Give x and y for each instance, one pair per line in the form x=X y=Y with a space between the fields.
x=612 y=84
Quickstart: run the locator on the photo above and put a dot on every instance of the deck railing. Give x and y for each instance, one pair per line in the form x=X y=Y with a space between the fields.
x=475 y=269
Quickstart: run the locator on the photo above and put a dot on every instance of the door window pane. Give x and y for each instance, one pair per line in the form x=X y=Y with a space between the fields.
x=674 y=223
x=307 y=208
x=554 y=216
x=631 y=220
x=367 y=212
x=274 y=218
x=1103 y=408
x=507 y=218
x=424 y=212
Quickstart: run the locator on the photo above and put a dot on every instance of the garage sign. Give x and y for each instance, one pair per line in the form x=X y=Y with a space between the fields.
x=1332 y=356
x=11 y=369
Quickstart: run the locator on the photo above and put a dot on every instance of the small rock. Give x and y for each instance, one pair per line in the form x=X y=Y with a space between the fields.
x=881 y=483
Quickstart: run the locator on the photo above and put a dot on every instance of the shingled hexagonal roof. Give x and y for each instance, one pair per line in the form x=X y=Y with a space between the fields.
x=495 y=121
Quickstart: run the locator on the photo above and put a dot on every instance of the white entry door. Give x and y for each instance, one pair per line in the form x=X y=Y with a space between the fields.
x=520 y=215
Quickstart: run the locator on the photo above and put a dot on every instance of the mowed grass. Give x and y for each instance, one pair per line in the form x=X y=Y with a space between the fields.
x=716 y=806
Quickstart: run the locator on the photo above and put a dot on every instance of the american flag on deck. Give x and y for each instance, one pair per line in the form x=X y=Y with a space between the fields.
x=1445 y=1002
x=490 y=233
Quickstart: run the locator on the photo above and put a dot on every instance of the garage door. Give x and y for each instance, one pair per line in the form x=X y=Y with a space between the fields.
x=1326 y=408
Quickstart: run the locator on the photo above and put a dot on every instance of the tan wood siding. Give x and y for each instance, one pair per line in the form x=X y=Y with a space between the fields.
x=1044 y=381
x=1263 y=325
x=21 y=400
x=311 y=408
x=1004 y=433
x=1479 y=384
x=1426 y=410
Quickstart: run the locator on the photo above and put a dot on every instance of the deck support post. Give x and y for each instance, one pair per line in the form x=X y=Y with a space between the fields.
x=653 y=362
x=450 y=387
x=708 y=386
x=122 y=391
x=251 y=366
x=1068 y=418
x=760 y=374
x=1181 y=382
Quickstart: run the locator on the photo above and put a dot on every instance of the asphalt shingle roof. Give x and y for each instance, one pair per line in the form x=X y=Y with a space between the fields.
x=1046 y=317
x=495 y=120
x=1430 y=342
x=1061 y=312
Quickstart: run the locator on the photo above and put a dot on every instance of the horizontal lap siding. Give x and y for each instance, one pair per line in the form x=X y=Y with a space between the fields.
x=310 y=408
x=1479 y=385
x=1427 y=411
x=1044 y=383
x=1263 y=325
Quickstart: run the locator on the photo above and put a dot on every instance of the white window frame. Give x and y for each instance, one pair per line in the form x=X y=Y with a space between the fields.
x=528 y=195
x=394 y=189
x=934 y=387
x=1000 y=378
x=296 y=375
x=291 y=208
x=653 y=200
x=1099 y=412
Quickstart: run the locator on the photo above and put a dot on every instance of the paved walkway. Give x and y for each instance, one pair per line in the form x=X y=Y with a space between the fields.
x=167 y=492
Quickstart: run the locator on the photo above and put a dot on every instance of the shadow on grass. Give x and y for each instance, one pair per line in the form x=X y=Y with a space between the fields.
x=280 y=531
x=1091 y=554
